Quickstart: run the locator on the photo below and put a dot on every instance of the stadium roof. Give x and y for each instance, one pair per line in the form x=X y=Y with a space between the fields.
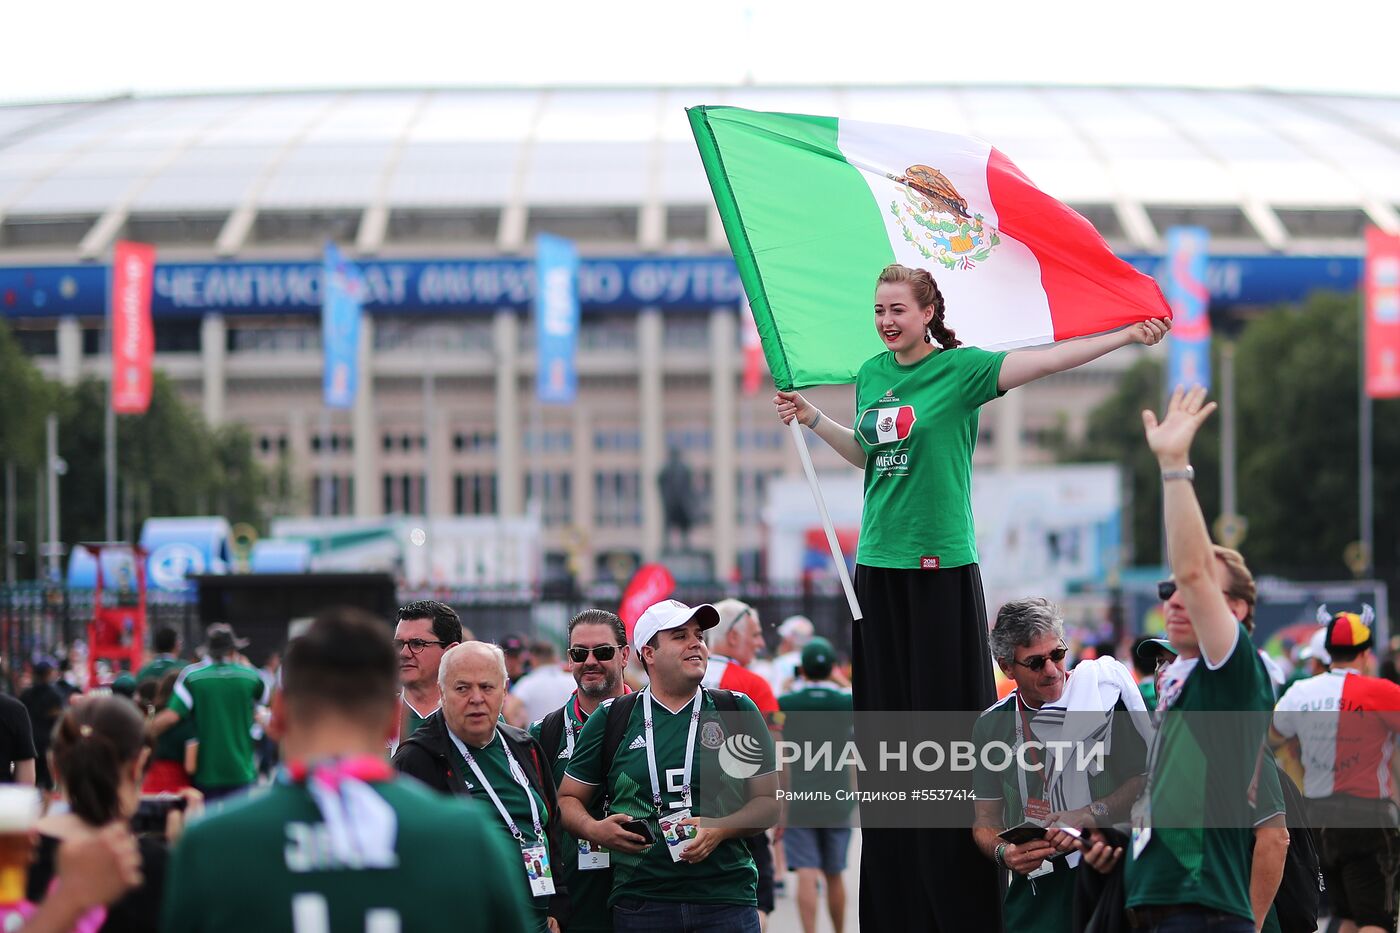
x=240 y=174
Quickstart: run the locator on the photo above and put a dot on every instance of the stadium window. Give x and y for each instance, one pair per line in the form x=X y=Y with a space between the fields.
x=556 y=506
x=305 y=226
x=475 y=225
x=45 y=230
x=590 y=224
x=178 y=336
x=175 y=229
x=1323 y=224
x=1223 y=221
x=617 y=501
x=687 y=222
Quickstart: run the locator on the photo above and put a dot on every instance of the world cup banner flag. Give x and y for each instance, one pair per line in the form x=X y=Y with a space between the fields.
x=1382 y=314
x=814 y=207
x=342 y=299
x=133 y=337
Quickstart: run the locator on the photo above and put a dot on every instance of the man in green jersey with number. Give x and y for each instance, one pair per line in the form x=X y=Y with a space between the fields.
x=338 y=843
x=599 y=653
x=222 y=695
x=1189 y=863
x=667 y=777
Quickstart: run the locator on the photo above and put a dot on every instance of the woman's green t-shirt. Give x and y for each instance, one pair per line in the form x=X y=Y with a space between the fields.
x=918 y=427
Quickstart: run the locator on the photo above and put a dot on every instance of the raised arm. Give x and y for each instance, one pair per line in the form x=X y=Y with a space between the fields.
x=1023 y=366
x=1188 y=541
x=841 y=438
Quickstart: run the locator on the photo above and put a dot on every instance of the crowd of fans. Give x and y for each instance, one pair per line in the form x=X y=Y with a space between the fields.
x=353 y=782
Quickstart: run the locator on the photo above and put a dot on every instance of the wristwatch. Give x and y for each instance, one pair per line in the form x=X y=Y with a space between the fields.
x=1188 y=474
x=1099 y=810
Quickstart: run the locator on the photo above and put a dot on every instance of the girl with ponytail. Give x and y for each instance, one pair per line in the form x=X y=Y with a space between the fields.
x=99 y=755
x=922 y=644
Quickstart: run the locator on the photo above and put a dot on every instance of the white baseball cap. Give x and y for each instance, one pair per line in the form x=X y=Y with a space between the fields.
x=668 y=614
x=1317 y=647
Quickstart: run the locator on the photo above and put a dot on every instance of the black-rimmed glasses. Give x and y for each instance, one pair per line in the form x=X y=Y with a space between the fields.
x=578 y=654
x=1036 y=662
x=415 y=645
x=1166 y=590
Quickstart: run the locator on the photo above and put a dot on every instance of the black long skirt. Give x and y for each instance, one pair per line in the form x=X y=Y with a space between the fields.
x=923 y=646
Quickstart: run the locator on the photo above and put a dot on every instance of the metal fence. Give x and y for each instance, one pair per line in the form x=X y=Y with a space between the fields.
x=44 y=620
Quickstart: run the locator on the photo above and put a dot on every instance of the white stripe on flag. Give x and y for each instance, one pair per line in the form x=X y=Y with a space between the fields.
x=1002 y=294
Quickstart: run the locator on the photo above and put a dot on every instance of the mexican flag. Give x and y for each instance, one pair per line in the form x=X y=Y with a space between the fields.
x=884 y=425
x=815 y=207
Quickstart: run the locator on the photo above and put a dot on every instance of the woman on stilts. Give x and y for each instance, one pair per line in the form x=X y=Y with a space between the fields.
x=922 y=644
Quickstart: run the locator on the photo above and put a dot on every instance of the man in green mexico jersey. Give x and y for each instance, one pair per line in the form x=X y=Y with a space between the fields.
x=599 y=653
x=222 y=695
x=1189 y=864
x=338 y=842
x=690 y=791
x=425 y=630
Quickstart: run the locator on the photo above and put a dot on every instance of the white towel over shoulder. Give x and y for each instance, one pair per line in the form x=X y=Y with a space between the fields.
x=1084 y=714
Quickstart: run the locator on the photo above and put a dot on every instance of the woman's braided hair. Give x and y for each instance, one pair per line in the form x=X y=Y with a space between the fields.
x=926 y=293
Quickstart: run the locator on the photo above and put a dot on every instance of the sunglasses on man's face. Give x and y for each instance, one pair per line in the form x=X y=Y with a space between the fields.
x=578 y=654
x=1166 y=590
x=1036 y=662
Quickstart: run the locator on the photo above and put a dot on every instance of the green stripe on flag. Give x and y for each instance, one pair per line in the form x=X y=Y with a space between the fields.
x=791 y=203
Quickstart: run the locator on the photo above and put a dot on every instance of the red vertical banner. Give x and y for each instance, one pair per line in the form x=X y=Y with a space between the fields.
x=1382 y=314
x=753 y=352
x=133 y=338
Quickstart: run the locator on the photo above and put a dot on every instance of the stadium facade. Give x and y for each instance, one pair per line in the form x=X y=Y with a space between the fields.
x=438 y=195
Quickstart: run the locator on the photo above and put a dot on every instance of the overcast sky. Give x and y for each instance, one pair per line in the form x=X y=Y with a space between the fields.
x=65 y=50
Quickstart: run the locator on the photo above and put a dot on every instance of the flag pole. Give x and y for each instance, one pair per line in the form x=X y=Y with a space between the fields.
x=806 y=456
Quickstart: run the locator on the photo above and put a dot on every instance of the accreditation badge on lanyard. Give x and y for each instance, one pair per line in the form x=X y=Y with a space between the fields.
x=678 y=836
x=591 y=856
x=535 y=857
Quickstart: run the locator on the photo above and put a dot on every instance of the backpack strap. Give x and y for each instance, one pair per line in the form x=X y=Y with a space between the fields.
x=552 y=731
x=725 y=701
x=618 y=713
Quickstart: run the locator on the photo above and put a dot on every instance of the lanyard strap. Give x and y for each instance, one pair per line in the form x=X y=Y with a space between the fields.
x=520 y=779
x=689 y=748
x=1020 y=772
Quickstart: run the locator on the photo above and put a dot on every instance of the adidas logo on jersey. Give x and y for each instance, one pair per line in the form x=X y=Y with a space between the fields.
x=639 y=742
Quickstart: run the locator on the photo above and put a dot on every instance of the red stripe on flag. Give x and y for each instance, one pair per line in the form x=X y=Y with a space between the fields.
x=1089 y=289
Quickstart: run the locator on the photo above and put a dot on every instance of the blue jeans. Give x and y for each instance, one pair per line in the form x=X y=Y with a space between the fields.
x=634 y=916
x=1202 y=921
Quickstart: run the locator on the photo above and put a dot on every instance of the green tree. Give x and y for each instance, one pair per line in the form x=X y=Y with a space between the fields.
x=1296 y=373
x=1114 y=435
x=1299 y=434
x=168 y=462
x=28 y=399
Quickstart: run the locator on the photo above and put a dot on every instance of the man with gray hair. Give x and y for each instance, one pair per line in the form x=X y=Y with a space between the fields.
x=464 y=749
x=1058 y=798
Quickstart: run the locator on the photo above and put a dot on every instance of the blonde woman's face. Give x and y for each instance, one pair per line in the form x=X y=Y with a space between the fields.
x=899 y=320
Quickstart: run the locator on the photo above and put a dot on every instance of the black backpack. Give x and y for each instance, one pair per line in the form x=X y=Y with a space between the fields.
x=552 y=726
x=1300 y=888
